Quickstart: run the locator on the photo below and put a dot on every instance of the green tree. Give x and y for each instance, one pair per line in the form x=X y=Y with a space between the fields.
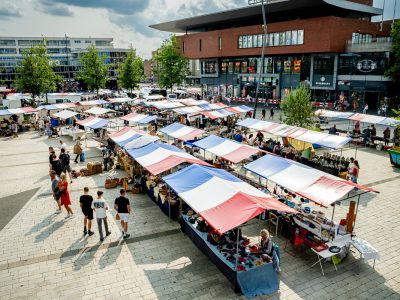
x=171 y=67
x=393 y=70
x=131 y=71
x=93 y=69
x=297 y=108
x=35 y=74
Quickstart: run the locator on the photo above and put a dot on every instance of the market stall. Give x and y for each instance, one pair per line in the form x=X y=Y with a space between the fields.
x=212 y=106
x=182 y=132
x=314 y=229
x=239 y=109
x=191 y=102
x=98 y=111
x=139 y=118
x=70 y=130
x=189 y=110
x=93 y=123
x=218 y=114
x=120 y=100
x=57 y=106
x=227 y=149
x=165 y=104
x=297 y=133
x=222 y=202
x=130 y=138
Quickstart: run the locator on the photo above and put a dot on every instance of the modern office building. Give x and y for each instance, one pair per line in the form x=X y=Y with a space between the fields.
x=64 y=52
x=331 y=45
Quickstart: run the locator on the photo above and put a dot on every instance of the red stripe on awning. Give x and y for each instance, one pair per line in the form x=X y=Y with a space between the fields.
x=241 y=153
x=170 y=162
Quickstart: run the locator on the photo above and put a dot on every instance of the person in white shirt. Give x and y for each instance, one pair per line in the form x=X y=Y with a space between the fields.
x=63 y=145
x=100 y=207
x=41 y=126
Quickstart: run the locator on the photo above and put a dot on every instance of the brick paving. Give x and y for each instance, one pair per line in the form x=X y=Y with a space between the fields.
x=45 y=256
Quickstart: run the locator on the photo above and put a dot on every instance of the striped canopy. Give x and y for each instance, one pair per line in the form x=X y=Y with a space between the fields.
x=239 y=109
x=15 y=111
x=212 y=106
x=139 y=118
x=127 y=135
x=98 y=111
x=165 y=104
x=191 y=102
x=298 y=133
x=65 y=114
x=57 y=106
x=120 y=100
x=380 y=120
x=189 y=110
x=218 y=114
x=92 y=102
x=158 y=158
x=319 y=187
x=230 y=150
x=93 y=123
x=221 y=199
x=182 y=132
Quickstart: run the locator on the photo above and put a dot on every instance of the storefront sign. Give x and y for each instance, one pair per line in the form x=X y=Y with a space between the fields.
x=323 y=81
x=297 y=66
x=255 y=2
x=366 y=65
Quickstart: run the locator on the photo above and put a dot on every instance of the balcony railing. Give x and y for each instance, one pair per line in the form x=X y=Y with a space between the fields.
x=378 y=44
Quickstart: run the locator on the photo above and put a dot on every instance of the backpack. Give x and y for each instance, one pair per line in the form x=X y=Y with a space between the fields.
x=65 y=159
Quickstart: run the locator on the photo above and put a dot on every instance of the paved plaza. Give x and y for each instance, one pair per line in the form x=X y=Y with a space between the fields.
x=45 y=256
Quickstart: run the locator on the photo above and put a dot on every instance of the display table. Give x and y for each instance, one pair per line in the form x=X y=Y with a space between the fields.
x=340 y=242
x=366 y=250
x=262 y=280
x=74 y=133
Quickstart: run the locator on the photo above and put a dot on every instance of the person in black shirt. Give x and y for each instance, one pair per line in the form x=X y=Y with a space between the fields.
x=123 y=208
x=86 y=206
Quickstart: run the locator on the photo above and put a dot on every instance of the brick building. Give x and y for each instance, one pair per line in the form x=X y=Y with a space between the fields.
x=331 y=45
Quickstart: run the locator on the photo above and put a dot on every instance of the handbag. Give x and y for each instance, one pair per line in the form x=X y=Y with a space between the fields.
x=117 y=217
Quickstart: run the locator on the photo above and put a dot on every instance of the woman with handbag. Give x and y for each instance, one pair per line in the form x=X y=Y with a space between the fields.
x=65 y=197
x=78 y=150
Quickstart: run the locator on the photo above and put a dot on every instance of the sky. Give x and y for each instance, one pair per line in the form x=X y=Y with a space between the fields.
x=126 y=21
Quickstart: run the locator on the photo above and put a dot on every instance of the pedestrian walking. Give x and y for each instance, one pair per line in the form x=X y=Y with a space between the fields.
x=271 y=113
x=106 y=157
x=365 y=109
x=101 y=207
x=41 y=126
x=263 y=113
x=78 y=150
x=63 y=145
x=123 y=208
x=86 y=201
x=14 y=128
x=65 y=160
x=55 y=189
x=65 y=197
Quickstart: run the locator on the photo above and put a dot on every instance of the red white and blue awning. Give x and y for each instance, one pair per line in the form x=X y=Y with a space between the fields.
x=319 y=187
x=98 y=111
x=191 y=102
x=139 y=118
x=298 y=133
x=65 y=114
x=57 y=106
x=93 y=123
x=182 y=132
x=239 y=109
x=230 y=150
x=221 y=199
x=130 y=138
x=165 y=104
x=372 y=119
x=218 y=114
x=92 y=102
x=158 y=158
x=15 y=111
x=120 y=100
x=189 y=110
x=212 y=106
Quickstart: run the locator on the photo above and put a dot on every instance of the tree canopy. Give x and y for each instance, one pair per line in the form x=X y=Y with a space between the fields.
x=171 y=66
x=35 y=74
x=297 y=108
x=93 y=71
x=394 y=69
x=131 y=71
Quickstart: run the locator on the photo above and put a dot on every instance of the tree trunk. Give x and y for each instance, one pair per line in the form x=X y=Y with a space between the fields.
x=47 y=99
x=97 y=92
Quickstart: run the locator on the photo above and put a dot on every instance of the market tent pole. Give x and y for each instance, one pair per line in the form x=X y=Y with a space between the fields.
x=355 y=219
x=333 y=213
x=237 y=248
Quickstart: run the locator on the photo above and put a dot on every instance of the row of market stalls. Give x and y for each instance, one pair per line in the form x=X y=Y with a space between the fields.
x=201 y=191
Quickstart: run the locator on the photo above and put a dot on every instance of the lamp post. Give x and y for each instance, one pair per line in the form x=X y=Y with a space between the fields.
x=264 y=39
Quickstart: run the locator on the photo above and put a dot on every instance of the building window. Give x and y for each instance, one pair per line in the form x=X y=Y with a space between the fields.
x=209 y=67
x=300 y=37
x=294 y=37
x=260 y=40
x=219 y=43
x=77 y=41
x=102 y=43
x=183 y=46
x=8 y=51
x=284 y=38
x=240 y=42
x=7 y=43
x=88 y=41
x=200 y=45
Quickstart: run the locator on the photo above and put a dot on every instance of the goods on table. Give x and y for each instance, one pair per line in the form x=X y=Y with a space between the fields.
x=85 y=172
x=111 y=183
